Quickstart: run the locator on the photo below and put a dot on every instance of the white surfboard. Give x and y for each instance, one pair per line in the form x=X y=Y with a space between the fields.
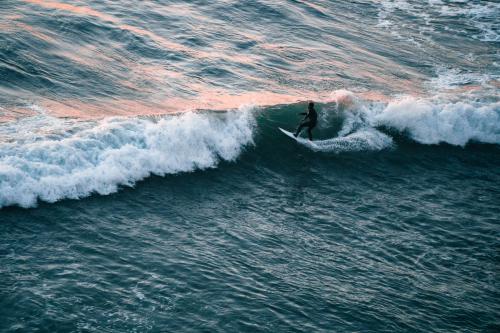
x=290 y=134
x=300 y=140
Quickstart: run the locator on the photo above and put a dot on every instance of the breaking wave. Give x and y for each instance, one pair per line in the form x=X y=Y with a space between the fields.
x=425 y=120
x=99 y=157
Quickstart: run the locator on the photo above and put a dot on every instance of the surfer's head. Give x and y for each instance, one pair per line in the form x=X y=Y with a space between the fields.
x=311 y=105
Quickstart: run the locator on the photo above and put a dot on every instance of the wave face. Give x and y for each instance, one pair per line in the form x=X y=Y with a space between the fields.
x=75 y=159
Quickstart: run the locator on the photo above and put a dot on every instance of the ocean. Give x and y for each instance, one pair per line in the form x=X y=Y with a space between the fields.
x=145 y=185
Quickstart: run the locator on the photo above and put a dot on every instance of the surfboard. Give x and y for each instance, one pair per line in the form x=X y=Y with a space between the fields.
x=302 y=141
x=289 y=134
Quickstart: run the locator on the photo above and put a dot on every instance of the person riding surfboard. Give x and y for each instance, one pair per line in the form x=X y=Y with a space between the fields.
x=309 y=121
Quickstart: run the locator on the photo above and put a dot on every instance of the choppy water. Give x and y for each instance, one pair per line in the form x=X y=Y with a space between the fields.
x=128 y=202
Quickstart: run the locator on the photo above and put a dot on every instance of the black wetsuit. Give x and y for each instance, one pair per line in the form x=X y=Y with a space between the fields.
x=309 y=121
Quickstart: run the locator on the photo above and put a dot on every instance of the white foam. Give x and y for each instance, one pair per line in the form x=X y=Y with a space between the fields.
x=366 y=139
x=430 y=121
x=452 y=119
x=60 y=159
x=449 y=78
x=481 y=15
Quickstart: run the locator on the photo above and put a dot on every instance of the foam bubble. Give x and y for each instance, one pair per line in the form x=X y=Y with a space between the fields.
x=53 y=164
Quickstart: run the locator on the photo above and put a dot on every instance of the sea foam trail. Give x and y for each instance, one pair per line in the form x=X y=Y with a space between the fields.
x=366 y=139
x=100 y=157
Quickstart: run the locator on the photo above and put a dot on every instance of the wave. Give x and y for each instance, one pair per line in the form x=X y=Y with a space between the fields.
x=49 y=159
x=73 y=160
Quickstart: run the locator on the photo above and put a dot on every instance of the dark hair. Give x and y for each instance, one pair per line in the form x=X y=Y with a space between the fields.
x=311 y=104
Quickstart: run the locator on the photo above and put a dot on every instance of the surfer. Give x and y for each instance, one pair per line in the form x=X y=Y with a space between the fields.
x=309 y=121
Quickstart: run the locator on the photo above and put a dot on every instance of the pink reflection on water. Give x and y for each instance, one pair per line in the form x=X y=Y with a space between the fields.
x=185 y=9
x=86 y=55
x=80 y=10
x=209 y=99
x=217 y=52
x=167 y=44
x=13 y=24
x=206 y=99
x=7 y=115
x=38 y=34
x=112 y=107
x=12 y=17
x=313 y=5
x=216 y=99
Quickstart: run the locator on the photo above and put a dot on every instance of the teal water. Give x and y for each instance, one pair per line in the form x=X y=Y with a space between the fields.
x=145 y=186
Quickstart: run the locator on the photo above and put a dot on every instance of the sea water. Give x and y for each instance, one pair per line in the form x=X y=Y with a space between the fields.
x=145 y=186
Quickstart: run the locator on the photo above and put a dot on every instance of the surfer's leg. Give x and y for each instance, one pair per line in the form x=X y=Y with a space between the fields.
x=301 y=126
x=309 y=130
x=297 y=132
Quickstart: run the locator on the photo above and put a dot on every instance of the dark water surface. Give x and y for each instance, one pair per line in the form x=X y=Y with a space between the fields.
x=129 y=203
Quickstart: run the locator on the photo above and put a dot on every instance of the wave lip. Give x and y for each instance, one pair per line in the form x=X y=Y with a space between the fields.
x=118 y=152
